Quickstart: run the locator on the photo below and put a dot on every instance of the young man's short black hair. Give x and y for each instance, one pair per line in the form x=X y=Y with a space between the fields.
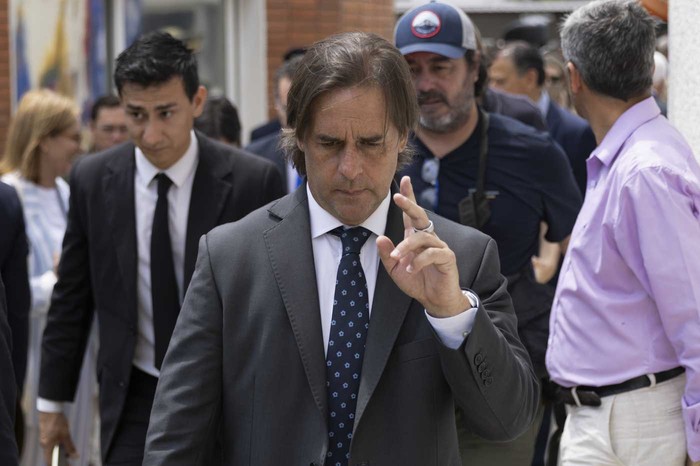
x=154 y=59
x=106 y=101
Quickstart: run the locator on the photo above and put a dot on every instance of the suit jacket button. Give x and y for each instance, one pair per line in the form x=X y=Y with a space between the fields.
x=486 y=373
x=478 y=359
x=121 y=384
x=481 y=367
x=488 y=381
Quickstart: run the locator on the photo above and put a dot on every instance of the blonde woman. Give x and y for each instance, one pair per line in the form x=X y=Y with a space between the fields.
x=43 y=140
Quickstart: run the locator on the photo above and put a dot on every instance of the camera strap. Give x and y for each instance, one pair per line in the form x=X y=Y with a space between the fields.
x=483 y=153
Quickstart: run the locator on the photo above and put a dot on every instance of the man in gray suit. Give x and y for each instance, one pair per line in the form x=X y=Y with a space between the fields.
x=303 y=351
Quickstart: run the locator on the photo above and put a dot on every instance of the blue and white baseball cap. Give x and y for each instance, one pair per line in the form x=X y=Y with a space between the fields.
x=436 y=27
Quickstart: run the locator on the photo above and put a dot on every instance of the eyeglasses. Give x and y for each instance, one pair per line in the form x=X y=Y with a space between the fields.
x=429 y=174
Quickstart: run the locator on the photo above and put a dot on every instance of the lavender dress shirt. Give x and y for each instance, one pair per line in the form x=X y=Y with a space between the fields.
x=628 y=298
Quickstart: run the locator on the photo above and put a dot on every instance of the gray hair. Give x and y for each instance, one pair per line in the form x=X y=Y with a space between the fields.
x=344 y=61
x=611 y=43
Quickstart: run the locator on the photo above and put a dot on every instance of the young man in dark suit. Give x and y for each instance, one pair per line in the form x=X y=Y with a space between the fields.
x=136 y=214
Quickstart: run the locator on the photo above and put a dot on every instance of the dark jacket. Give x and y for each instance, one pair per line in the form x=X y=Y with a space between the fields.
x=98 y=268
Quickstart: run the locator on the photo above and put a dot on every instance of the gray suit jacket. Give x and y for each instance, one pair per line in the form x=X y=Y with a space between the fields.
x=247 y=356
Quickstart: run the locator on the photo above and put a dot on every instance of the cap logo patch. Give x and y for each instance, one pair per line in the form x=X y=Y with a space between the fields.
x=426 y=24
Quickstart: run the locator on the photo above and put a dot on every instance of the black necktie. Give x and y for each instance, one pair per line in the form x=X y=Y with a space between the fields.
x=346 y=344
x=164 y=293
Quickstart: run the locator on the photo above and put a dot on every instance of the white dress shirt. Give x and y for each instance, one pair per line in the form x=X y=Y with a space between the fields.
x=327 y=249
x=146 y=196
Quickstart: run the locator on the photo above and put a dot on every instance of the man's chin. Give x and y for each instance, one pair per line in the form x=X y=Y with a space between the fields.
x=434 y=125
x=352 y=211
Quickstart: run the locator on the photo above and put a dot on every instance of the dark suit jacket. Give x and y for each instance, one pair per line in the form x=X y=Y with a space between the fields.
x=268 y=147
x=98 y=267
x=251 y=347
x=263 y=130
x=8 y=390
x=13 y=271
x=575 y=136
x=514 y=106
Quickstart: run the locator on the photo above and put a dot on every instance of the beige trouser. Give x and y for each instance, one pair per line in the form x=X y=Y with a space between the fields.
x=640 y=427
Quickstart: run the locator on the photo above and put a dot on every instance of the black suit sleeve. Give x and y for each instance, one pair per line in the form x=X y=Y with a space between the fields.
x=498 y=392
x=70 y=314
x=8 y=391
x=14 y=273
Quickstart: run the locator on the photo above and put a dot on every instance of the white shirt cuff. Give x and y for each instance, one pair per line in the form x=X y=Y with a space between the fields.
x=453 y=330
x=47 y=406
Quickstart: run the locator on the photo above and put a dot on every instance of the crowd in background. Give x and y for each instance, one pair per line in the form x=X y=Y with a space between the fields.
x=519 y=174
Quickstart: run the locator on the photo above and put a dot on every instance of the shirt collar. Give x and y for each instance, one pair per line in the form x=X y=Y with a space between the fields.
x=322 y=222
x=623 y=128
x=543 y=103
x=178 y=172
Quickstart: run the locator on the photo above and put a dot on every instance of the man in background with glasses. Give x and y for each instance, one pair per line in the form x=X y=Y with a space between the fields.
x=107 y=123
x=525 y=179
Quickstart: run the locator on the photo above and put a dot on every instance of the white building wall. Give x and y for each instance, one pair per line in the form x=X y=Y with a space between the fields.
x=684 y=71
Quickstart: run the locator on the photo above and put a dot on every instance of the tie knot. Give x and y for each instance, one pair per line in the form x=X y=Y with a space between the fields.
x=164 y=183
x=353 y=238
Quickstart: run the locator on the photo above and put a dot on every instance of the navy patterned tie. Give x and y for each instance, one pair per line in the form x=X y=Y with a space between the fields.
x=346 y=344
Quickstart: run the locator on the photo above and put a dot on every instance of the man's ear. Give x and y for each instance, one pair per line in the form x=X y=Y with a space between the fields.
x=198 y=100
x=575 y=81
x=403 y=142
x=300 y=144
x=44 y=144
x=476 y=64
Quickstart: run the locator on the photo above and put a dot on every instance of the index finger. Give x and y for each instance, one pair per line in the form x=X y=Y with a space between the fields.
x=406 y=188
x=414 y=215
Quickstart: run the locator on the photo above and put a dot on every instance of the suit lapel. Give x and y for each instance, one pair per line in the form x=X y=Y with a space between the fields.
x=291 y=257
x=120 y=206
x=210 y=192
x=389 y=309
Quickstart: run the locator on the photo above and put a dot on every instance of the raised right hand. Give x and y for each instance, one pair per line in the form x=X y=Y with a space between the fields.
x=53 y=430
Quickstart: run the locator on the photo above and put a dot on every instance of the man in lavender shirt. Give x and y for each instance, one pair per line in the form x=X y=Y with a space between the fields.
x=624 y=343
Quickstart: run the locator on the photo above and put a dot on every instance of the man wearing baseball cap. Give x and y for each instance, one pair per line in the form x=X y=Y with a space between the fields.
x=490 y=172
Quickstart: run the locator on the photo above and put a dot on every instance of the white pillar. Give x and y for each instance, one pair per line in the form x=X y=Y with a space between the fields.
x=684 y=70
x=246 y=50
